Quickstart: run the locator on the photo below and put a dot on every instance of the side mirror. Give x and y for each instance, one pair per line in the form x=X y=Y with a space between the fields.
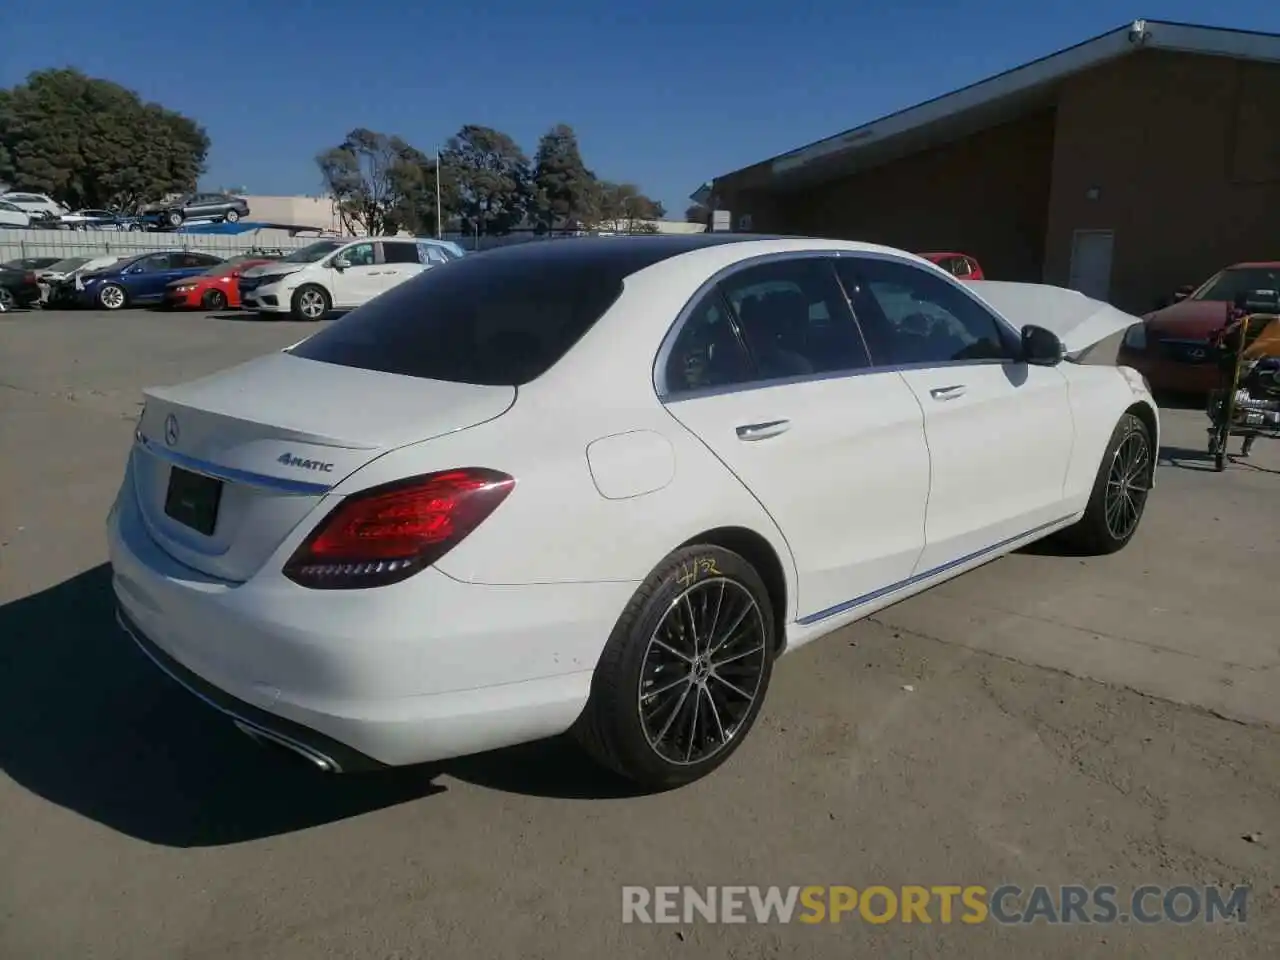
x=235 y=274
x=134 y=270
x=1041 y=347
x=1182 y=293
x=341 y=263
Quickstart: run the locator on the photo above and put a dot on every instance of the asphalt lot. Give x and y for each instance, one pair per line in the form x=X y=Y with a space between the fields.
x=962 y=737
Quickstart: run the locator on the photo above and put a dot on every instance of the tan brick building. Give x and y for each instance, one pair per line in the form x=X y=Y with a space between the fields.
x=1125 y=166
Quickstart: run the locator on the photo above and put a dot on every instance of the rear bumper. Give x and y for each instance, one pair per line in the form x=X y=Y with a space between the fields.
x=25 y=295
x=324 y=752
x=428 y=669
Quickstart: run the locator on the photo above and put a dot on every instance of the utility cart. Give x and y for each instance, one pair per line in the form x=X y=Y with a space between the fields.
x=1248 y=403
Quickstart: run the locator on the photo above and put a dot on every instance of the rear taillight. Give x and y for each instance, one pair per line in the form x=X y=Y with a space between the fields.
x=387 y=533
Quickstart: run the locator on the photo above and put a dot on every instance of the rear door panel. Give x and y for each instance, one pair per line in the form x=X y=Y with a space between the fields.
x=833 y=451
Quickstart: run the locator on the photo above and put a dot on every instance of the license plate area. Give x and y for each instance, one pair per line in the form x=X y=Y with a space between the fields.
x=192 y=499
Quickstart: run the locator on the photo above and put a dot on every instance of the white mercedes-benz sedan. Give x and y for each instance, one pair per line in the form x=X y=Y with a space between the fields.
x=601 y=485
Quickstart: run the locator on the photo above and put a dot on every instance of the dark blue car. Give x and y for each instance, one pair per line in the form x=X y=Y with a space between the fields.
x=140 y=279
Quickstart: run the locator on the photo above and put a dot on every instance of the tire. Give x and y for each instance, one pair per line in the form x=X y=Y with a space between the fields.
x=656 y=739
x=111 y=296
x=6 y=300
x=310 y=303
x=173 y=218
x=214 y=300
x=232 y=216
x=1127 y=468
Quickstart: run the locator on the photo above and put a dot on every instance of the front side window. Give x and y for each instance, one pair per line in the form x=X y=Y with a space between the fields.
x=707 y=352
x=359 y=255
x=400 y=252
x=795 y=319
x=910 y=316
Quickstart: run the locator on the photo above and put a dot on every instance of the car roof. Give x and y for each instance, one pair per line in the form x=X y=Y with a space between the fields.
x=629 y=254
x=1256 y=265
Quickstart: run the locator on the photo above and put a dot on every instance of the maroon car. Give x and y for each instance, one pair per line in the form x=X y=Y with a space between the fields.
x=1172 y=347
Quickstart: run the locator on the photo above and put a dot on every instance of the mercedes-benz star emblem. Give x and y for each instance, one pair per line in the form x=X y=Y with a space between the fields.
x=171 y=430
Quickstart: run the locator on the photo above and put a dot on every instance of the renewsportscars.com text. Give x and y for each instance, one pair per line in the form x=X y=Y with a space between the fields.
x=944 y=904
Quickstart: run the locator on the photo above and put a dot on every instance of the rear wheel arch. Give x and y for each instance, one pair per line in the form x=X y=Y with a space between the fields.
x=760 y=553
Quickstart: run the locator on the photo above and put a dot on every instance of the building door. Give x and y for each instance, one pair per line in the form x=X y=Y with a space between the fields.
x=1091 y=263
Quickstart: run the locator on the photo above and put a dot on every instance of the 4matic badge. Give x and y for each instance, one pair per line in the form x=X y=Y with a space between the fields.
x=289 y=460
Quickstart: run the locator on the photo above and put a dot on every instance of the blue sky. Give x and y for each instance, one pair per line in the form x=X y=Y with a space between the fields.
x=663 y=93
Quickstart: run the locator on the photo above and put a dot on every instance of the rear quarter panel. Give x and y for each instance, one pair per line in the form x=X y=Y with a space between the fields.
x=561 y=524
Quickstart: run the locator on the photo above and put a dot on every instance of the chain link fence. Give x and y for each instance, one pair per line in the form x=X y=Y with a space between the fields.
x=15 y=244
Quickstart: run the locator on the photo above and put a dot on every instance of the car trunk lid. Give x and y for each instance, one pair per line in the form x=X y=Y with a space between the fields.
x=266 y=441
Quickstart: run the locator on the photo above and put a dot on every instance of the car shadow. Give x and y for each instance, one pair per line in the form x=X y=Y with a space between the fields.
x=1173 y=400
x=241 y=315
x=252 y=316
x=1185 y=458
x=87 y=722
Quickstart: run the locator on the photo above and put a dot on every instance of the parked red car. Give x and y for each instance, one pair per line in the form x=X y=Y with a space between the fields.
x=218 y=289
x=1172 y=346
x=959 y=265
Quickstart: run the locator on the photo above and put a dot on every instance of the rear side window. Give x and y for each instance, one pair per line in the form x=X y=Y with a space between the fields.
x=493 y=321
x=795 y=319
x=400 y=252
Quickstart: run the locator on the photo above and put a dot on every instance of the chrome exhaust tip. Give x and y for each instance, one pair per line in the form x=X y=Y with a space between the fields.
x=268 y=738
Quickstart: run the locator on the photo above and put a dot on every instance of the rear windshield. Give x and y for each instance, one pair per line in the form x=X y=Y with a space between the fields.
x=479 y=319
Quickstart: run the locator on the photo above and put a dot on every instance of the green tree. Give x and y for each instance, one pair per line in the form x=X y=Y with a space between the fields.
x=488 y=175
x=622 y=207
x=566 y=192
x=380 y=183
x=93 y=143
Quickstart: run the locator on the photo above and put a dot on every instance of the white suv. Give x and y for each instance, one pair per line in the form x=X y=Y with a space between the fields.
x=339 y=274
x=34 y=204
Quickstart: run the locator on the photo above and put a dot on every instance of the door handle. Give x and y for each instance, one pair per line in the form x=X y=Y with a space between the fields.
x=762 y=431
x=948 y=393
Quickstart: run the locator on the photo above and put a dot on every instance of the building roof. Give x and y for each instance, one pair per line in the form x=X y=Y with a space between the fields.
x=995 y=99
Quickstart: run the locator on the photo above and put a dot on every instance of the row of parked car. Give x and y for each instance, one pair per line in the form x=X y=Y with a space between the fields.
x=308 y=284
x=26 y=209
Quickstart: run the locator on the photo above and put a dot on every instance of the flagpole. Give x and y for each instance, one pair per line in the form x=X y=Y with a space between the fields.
x=439 y=233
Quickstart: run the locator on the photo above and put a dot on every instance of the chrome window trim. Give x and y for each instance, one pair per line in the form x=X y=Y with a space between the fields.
x=712 y=283
x=232 y=475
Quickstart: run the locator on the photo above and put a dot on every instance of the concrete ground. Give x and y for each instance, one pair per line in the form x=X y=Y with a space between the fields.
x=1044 y=720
